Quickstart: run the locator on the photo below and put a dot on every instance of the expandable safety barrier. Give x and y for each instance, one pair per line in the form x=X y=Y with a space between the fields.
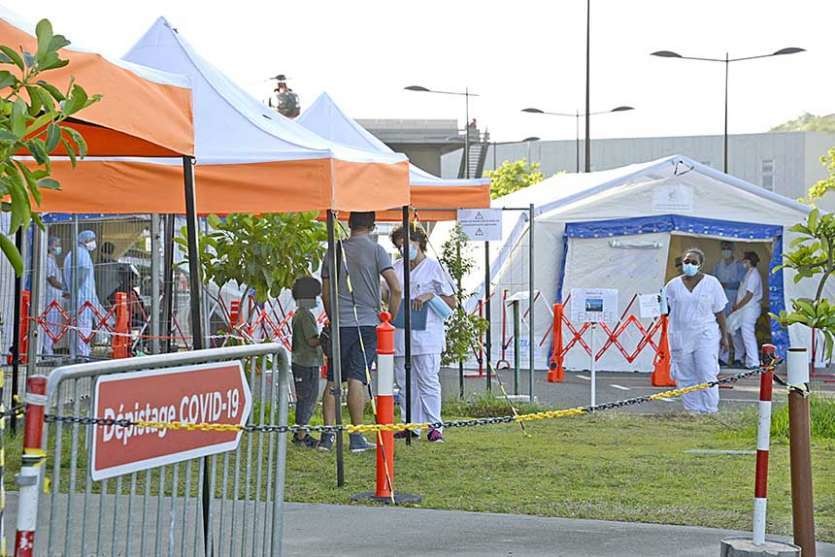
x=653 y=336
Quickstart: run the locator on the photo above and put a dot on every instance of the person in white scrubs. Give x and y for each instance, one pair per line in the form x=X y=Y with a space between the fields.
x=697 y=331
x=54 y=296
x=79 y=260
x=730 y=272
x=745 y=312
x=429 y=285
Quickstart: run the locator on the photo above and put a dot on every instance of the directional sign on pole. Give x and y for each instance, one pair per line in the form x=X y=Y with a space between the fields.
x=481 y=225
x=206 y=393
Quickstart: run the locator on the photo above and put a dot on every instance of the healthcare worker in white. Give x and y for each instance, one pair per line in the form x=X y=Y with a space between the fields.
x=730 y=272
x=429 y=285
x=742 y=323
x=79 y=260
x=697 y=331
x=54 y=295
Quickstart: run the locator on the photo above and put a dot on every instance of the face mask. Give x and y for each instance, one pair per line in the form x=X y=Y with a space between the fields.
x=413 y=252
x=690 y=270
x=746 y=264
x=56 y=250
x=91 y=245
x=726 y=253
x=306 y=303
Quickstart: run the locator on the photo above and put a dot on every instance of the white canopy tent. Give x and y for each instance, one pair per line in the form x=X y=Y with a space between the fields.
x=623 y=229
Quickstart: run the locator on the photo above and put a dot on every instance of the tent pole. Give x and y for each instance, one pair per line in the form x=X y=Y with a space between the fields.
x=458 y=308
x=168 y=281
x=155 y=290
x=18 y=293
x=335 y=362
x=196 y=320
x=531 y=303
x=488 y=342
x=73 y=336
x=407 y=316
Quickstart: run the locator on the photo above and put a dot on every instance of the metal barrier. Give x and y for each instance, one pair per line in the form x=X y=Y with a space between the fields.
x=161 y=511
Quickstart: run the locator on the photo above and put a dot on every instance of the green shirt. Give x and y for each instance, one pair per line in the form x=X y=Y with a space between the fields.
x=304 y=329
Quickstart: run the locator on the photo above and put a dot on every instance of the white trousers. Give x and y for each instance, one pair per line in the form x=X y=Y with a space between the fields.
x=745 y=338
x=724 y=354
x=85 y=329
x=426 y=387
x=699 y=366
x=54 y=320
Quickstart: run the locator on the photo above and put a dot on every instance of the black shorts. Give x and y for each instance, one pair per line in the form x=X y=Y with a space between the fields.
x=353 y=363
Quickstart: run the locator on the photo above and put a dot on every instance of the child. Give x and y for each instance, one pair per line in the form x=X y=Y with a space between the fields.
x=307 y=356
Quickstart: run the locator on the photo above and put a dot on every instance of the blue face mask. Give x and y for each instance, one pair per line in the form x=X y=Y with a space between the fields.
x=690 y=270
x=413 y=252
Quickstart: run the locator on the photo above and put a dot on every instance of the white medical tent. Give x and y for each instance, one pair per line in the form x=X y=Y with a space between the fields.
x=623 y=229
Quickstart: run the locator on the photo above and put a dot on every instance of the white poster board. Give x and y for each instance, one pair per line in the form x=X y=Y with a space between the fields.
x=593 y=305
x=481 y=225
x=649 y=305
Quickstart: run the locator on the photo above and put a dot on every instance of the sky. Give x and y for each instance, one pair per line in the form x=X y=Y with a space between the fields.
x=512 y=54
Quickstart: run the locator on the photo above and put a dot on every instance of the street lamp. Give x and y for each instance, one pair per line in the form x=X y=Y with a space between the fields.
x=727 y=61
x=576 y=117
x=466 y=94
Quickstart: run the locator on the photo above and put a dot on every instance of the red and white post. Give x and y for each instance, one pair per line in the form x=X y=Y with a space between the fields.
x=385 y=407
x=33 y=458
x=763 y=442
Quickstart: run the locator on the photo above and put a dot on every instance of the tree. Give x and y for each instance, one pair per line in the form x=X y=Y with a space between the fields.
x=812 y=255
x=31 y=113
x=808 y=123
x=266 y=253
x=820 y=188
x=513 y=176
x=462 y=328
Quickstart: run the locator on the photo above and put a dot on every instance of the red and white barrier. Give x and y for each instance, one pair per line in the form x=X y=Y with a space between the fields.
x=32 y=459
x=385 y=407
x=763 y=442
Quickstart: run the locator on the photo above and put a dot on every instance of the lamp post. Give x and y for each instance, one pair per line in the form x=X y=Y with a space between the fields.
x=727 y=61
x=576 y=117
x=466 y=94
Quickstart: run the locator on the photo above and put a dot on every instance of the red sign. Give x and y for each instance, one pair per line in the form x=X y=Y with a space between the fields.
x=207 y=393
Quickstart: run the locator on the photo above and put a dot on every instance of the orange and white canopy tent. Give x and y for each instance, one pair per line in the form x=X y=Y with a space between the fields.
x=439 y=198
x=251 y=159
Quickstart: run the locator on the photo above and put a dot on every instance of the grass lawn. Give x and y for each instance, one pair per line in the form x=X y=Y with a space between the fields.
x=613 y=466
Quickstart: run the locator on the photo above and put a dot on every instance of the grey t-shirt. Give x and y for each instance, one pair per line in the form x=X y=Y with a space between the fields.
x=365 y=260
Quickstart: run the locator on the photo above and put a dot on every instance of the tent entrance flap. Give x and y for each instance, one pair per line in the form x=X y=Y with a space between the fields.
x=621 y=253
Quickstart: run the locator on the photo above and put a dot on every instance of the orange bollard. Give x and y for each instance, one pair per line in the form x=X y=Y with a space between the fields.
x=556 y=367
x=120 y=342
x=661 y=367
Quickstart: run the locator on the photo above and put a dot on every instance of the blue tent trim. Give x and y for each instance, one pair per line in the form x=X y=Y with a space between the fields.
x=697 y=226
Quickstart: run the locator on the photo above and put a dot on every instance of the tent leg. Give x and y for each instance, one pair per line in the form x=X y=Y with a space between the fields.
x=335 y=361
x=407 y=316
x=488 y=341
x=531 y=304
x=196 y=320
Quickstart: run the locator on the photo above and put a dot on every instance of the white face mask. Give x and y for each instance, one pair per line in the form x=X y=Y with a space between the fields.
x=726 y=253
x=56 y=250
x=91 y=245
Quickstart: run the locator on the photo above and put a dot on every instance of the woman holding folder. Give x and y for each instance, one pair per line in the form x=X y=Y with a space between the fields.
x=432 y=299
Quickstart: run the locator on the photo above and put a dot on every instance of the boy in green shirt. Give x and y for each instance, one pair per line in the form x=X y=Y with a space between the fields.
x=307 y=356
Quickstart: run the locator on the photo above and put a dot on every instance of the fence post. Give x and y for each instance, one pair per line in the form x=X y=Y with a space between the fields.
x=120 y=342
x=31 y=460
x=556 y=368
x=763 y=442
x=661 y=366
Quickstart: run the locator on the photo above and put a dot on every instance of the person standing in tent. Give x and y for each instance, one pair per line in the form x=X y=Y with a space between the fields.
x=431 y=291
x=742 y=322
x=361 y=264
x=54 y=295
x=80 y=261
x=697 y=331
x=730 y=272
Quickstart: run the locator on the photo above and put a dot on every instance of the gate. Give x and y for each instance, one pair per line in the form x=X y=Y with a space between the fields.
x=161 y=511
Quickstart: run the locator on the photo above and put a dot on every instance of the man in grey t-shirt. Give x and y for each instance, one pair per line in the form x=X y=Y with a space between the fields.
x=365 y=261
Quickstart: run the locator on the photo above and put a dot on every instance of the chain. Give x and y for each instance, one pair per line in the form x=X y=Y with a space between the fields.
x=375 y=428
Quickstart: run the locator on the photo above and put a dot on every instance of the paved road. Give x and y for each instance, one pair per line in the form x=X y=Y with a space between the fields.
x=575 y=390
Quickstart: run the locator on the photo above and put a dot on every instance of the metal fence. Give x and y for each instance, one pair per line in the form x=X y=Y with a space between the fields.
x=159 y=511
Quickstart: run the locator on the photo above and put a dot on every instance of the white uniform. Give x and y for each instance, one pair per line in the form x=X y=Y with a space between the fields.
x=54 y=319
x=694 y=338
x=744 y=326
x=86 y=293
x=729 y=275
x=427 y=345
